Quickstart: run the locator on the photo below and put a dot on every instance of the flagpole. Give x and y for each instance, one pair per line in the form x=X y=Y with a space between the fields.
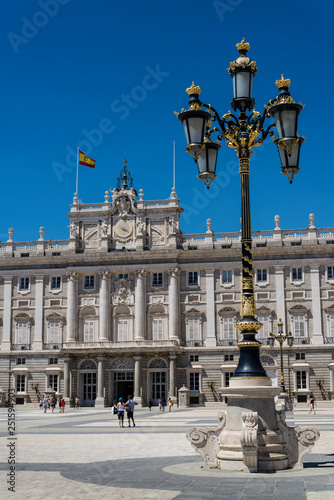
x=174 y=165
x=77 y=179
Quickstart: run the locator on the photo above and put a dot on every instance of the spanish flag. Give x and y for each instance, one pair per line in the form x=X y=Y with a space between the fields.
x=85 y=160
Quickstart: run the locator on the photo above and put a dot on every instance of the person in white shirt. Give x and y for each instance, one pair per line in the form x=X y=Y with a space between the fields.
x=120 y=412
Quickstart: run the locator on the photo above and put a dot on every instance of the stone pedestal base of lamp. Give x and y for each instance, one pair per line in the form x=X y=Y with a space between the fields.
x=251 y=436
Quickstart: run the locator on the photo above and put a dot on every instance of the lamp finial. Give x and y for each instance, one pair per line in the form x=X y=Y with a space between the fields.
x=243 y=45
x=283 y=82
x=193 y=90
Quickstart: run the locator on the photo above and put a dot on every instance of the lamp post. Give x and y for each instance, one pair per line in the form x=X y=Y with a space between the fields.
x=281 y=338
x=243 y=133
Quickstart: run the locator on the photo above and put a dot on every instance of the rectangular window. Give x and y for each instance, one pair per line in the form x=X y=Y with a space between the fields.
x=194 y=381
x=297 y=274
x=228 y=376
x=54 y=332
x=301 y=379
x=261 y=275
x=24 y=283
x=193 y=330
x=192 y=278
x=53 y=361
x=157 y=279
x=55 y=282
x=89 y=331
x=53 y=382
x=264 y=332
x=228 y=357
x=20 y=383
x=330 y=325
x=193 y=357
x=158 y=329
x=123 y=330
x=123 y=276
x=300 y=356
x=330 y=273
x=227 y=276
x=299 y=326
x=22 y=333
x=21 y=361
x=227 y=328
x=89 y=282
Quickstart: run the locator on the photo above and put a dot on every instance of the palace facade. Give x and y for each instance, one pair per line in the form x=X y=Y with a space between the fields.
x=131 y=305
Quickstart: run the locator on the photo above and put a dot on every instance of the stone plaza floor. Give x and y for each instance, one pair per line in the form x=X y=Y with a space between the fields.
x=83 y=454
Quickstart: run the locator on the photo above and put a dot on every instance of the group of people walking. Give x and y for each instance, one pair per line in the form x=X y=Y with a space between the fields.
x=47 y=404
x=163 y=404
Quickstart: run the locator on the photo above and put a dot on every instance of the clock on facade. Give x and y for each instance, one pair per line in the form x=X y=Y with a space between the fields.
x=123 y=228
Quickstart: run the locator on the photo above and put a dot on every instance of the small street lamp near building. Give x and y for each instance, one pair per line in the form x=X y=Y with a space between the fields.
x=281 y=338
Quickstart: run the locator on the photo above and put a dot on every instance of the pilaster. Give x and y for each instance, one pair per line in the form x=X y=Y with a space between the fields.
x=317 y=337
x=104 y=306
x=71 y=307
x=174 y=304
x=7 y=313
x=39 y=301
x=140 y=305
x=100 y=400
x=280 y=293
x=210 y=340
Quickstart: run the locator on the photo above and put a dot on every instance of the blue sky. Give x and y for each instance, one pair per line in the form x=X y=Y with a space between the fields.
x=113 y=73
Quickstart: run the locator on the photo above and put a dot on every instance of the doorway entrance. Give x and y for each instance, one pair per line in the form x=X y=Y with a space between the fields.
x=88 y=389
x=123 y=385
x=159 y=380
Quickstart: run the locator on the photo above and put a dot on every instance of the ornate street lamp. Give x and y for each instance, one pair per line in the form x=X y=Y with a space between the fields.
x=281 y=338
x=243 y=133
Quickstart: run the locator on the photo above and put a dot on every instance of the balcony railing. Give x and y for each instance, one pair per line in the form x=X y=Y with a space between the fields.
x=194 y=343
x=329 y=340
x=21 y=347
x=53 y=345
x=301 y=340
x=109 y=345
x=227 y=342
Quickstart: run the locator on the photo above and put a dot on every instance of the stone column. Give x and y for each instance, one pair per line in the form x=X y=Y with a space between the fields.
x=210 y=340
x=137 y=382
x=280 y=293
x=7 y=313
x=140 y=305
x=104 y=307
x=99 y=401
x=71 y=308
x=174 y=304
x=172 y=376
x=318 y=337
x=66 y=395
x=39 y=301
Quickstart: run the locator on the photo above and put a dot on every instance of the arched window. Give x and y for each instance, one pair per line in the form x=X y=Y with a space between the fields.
x=157 y=363
x=87 y=364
